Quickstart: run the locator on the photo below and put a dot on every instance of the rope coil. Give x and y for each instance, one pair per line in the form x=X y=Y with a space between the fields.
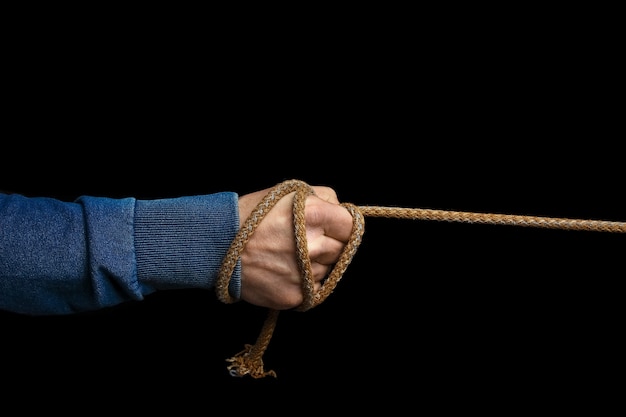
x=250 y=360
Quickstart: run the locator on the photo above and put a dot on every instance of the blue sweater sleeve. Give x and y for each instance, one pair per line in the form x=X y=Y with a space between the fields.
x=61 y=257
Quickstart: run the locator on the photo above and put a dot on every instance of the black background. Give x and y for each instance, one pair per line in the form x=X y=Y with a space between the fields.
x=496 y=120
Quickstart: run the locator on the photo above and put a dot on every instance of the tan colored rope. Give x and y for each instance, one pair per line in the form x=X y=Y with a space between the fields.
x=501 y=219
x=250 y=360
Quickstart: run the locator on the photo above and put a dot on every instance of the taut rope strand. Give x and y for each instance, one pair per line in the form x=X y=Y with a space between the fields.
x=501 y=219
x=250 y=360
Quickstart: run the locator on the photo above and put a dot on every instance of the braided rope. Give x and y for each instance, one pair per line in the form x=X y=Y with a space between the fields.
x=499 y=219
x=250 y=360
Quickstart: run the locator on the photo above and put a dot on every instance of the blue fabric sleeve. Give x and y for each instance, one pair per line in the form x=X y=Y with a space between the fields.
x=67 y=257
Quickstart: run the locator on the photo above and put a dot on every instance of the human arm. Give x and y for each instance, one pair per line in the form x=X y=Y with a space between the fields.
x=65 y=257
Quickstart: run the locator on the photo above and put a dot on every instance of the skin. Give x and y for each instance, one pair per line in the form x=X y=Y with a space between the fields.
x=270 y=275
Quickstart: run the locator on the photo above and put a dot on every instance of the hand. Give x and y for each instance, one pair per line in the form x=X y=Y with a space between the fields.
x=270 y=276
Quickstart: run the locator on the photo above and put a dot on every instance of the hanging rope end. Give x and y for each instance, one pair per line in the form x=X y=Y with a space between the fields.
x=243 y=364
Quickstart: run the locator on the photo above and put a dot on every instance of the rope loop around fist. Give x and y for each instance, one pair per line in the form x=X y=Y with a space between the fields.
x=302 y=191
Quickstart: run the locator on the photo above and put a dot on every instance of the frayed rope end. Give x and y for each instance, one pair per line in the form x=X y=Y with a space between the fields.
x=242 y=364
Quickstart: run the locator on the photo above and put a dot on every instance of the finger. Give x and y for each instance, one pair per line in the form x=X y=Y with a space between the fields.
x=330 y=219
x=325 y=250
x=326 y=193
x=339 y=224
x=319 y=271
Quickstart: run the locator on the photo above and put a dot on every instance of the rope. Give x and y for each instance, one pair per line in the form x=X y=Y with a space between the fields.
x=500 y=219
x=250 y=360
